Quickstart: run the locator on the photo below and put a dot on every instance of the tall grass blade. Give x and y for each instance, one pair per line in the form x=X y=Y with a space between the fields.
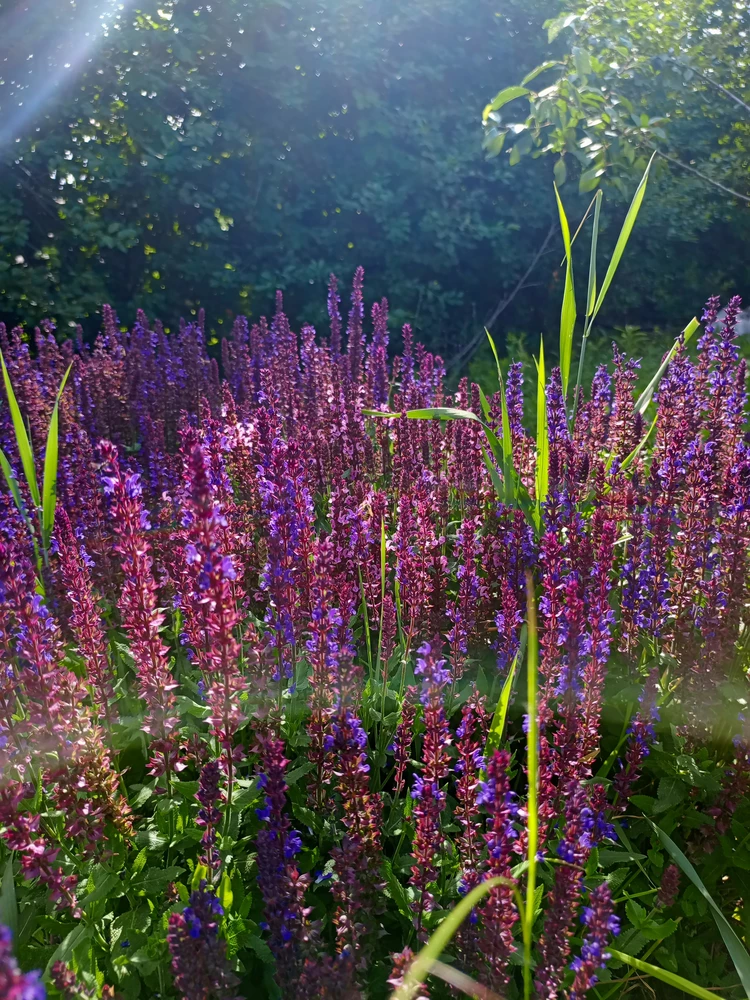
x=441 y=937
x=590 y=300
x=22 y=438
x=15 y=492
x=591 y=293
x=568 y=311
x=542 y=437
x=622 y=239
x=507 y=442
x=532 y=742
x=49 y=482
x=645 y=397
x=454 y=977
x=735 y=947
x=8 y=903
x=671 y=978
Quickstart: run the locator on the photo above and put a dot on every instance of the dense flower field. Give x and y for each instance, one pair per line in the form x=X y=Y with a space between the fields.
x=270 y=677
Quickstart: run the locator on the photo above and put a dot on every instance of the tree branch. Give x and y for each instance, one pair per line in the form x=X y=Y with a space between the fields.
x=469 y=349
x=703 y=177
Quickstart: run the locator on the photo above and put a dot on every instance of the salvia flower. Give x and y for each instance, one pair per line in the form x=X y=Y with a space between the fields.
x=199 y=963
x=14 y=984
x=601 y=924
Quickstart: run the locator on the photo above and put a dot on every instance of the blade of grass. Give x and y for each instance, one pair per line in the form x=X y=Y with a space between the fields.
x=735 y=947
x=532 y=666
x=568 y=311
x=495 y=734
x=645 y=397
x=18 y=499
x=22 y=439
x=507 y=442
x=542 y=437
x=454 y=977
x=441 y=937
x=671 y=978
x=49 y=482
x=590 y=299
x=622 y=239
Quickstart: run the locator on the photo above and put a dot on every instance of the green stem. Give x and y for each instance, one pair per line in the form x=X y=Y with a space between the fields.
x=533 y=772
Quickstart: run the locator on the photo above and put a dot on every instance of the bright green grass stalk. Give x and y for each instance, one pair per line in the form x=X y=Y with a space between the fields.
x=532 y=667
x=441 y=937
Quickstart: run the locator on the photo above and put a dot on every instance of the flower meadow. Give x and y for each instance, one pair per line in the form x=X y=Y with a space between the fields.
x=305 y=655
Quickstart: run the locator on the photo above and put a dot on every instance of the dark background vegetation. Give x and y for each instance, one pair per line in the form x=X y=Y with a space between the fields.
x=172 y=155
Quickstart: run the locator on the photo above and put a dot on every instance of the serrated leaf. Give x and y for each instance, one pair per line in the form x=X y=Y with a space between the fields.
x=140 y=861
x=636 y=913
x=397 y=891
x=154 y=880
x=293 y=777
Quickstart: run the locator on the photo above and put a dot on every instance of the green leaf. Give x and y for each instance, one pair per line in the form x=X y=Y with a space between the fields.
x=49 y=482
x=155 y=879
x=495 y=735
x=622 y=239
x=8 y=904
x=734 y=946
x=538 y=70
x=636 y=913
x=568 y=311
x=591 y=292
x=64 y=951
x=504 y=97
x=532 y=768
x=645 y=397
x=22 y=439
x=671 y=978
x=397 y=891
x=225 y=894
x=589 y=179
x=560 y=171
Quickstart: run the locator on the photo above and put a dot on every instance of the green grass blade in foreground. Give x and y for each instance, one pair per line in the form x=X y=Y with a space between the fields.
x=671 y=978
x=22 y=438
x=591 y=293
x=622 y=239
x=454 y=977
x=8 y=903
x=507 y=441
x=568 y=311
x=590 y=300
x=440 y=938
x=542 y=437
x=645 y=397
x=49 y=482
x=532 y=742
x=735 y=947
x=428 y=413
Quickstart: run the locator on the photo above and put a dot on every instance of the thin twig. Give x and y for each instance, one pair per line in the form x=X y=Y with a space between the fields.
x=469 y=349
x=703 y=177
